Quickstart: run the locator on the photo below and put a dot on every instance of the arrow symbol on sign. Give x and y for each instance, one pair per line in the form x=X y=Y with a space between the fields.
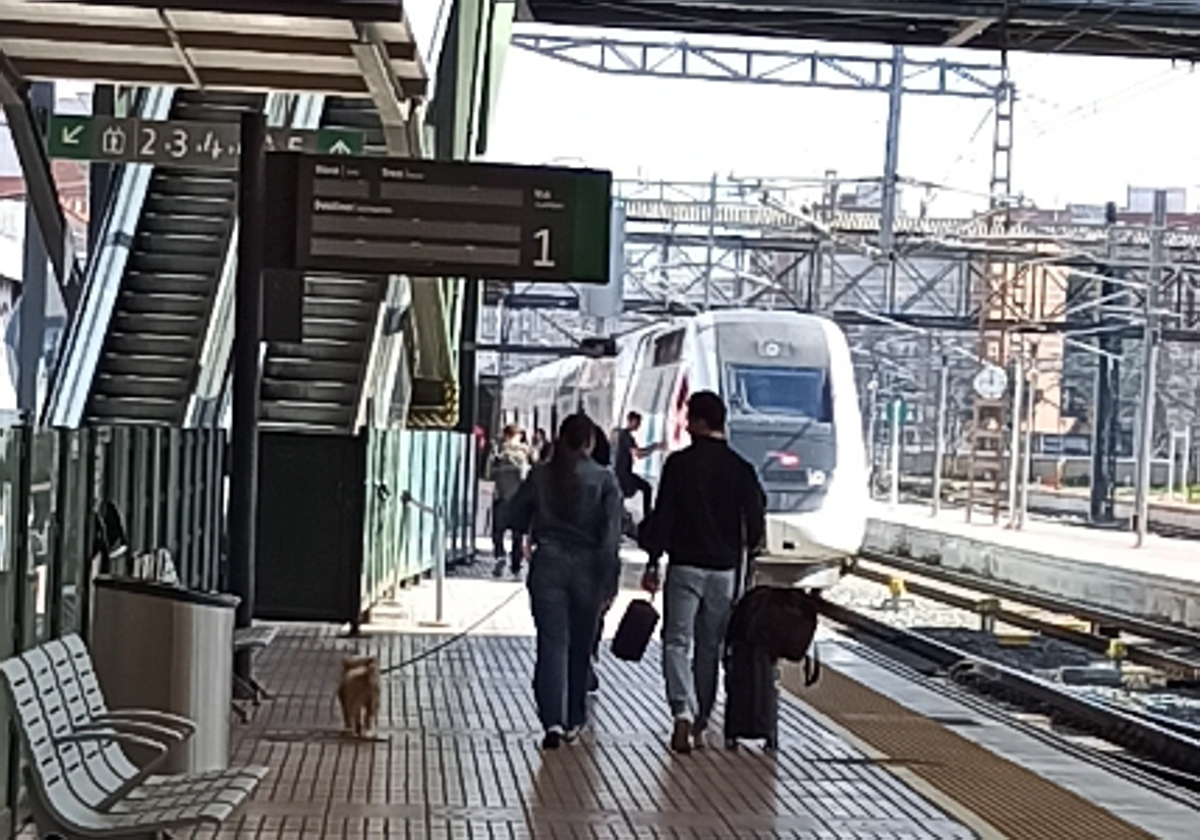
x=340 y=148
x=72 y=134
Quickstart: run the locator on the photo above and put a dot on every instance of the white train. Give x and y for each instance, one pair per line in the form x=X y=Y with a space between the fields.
x=793 y=413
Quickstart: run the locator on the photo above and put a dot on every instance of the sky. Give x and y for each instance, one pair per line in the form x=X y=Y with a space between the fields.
x=1085 y=128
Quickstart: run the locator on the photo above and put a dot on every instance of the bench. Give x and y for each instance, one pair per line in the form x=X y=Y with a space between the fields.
x=81 y=783
x=251 y=640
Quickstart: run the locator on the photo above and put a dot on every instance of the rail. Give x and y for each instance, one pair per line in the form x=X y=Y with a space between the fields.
x=102 y=280
x=439 y=556
x=205 y=405
x=1174 y=755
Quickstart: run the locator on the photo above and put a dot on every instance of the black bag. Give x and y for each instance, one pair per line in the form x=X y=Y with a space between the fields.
x=635 y=631
x=751 y=695
x=781 y=622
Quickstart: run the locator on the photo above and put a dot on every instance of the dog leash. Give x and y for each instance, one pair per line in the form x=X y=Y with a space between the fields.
x=456 y=638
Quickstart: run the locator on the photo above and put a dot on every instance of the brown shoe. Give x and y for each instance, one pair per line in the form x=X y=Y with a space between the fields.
x=681 y=736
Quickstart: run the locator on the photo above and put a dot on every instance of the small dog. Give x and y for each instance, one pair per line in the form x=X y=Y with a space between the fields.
x=358 y=693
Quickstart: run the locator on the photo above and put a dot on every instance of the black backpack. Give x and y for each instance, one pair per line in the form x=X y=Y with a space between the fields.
x=779 y=622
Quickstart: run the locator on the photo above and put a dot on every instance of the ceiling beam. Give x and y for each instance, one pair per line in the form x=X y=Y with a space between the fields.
x=969 y=31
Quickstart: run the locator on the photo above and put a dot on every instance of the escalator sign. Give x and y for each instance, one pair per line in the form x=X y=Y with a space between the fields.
x=197 y=145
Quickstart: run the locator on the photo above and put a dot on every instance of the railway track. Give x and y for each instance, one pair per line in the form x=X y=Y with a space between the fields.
x=1165 y=647
x=1163 y=749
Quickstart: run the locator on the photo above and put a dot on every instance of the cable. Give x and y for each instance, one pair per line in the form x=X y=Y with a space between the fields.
x=456 y=638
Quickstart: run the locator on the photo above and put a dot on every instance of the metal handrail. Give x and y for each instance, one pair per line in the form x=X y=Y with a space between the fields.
x=102 y=281
x=205 y=406
x=439 y=557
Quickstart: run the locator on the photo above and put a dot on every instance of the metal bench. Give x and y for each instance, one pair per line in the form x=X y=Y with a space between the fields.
x=82 y=785
x=251 y=640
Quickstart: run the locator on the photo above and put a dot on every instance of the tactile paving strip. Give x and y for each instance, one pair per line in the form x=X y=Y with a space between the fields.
x=1015 y=801
x=457 y=757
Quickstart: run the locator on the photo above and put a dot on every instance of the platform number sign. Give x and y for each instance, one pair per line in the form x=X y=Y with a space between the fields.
x=441 y=219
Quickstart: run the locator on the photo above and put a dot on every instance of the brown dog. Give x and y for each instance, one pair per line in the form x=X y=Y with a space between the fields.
x=358 y=694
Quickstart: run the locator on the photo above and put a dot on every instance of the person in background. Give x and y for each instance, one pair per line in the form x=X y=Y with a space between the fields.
x=510 y=465
x=571 y=507
x=627 y=452
x=711 y=513
x=542 y=448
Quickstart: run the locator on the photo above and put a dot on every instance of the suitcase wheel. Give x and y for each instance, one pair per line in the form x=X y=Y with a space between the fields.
x=772 y=743
x=731 y=744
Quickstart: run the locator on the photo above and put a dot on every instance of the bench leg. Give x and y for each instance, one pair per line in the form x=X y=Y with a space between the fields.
x=259 y=690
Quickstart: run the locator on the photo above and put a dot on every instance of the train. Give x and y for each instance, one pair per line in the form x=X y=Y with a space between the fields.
x=794 y=413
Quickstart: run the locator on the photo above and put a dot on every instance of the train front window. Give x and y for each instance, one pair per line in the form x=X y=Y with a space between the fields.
x=781 y=391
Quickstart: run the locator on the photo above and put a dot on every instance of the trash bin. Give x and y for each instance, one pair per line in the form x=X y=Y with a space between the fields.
x=162 y=647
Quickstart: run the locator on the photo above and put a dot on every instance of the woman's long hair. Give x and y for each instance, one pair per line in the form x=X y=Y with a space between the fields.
x=574 y=436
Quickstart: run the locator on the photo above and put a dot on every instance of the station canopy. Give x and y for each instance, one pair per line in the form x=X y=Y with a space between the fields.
x=294 y=45
x=1145 y=28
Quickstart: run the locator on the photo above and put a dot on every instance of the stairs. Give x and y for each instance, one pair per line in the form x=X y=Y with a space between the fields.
x=150 y=360
x=316 y=385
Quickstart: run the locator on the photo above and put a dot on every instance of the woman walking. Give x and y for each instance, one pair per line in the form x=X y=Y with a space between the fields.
x=573 y=507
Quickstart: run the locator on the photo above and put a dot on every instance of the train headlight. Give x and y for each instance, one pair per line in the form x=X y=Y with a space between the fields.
x=816 y=478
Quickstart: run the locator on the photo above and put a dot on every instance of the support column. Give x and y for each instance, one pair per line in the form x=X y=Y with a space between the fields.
x=247 y=374
x=1108 y=387
x=100 y=175
x=891 y=163
x=1150 y=364
x=939 y=444
x=35 y=268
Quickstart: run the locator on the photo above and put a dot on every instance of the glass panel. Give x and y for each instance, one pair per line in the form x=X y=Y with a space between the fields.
x=780 y=391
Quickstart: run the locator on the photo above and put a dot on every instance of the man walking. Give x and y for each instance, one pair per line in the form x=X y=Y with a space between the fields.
x=710 y=514
x=627 y=451
x=509 y=467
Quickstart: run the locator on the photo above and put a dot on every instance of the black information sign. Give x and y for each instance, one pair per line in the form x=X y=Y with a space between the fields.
x=427 y=218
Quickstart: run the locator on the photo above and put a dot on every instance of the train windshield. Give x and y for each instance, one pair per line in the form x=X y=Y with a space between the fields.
x=781 y=391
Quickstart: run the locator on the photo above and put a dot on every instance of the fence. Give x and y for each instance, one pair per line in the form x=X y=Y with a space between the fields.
x=420 y=501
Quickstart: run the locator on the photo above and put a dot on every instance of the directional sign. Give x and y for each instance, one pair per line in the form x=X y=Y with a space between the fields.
x=178 y=143
x=439 y=219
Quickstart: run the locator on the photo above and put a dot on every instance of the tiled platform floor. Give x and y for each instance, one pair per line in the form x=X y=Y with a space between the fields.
x=457 y=757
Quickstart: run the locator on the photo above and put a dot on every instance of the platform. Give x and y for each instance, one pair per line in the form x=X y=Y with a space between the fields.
x=457 y=756
x=1160 y=580
x=457 y=752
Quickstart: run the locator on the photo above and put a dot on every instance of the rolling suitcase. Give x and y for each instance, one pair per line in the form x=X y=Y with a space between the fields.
x=751 y=696
x=751 y=679
x=635 y=631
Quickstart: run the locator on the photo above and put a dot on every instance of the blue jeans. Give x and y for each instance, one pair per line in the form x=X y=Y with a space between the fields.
x=696 y=608
x=565 y=595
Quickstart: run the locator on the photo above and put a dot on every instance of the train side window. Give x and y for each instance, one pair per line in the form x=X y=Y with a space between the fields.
x=827 y=399
x=668 y=348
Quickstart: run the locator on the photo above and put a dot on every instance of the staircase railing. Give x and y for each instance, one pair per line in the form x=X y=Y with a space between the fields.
x=84 y=341
x=300 y=112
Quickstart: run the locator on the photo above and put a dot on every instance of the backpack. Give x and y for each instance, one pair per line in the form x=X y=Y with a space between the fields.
x=781 y=623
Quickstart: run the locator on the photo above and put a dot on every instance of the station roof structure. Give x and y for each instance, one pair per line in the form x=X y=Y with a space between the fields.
x=251 y=47
x=1143 y=28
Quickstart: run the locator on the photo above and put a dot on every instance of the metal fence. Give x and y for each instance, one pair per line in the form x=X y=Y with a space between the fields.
x=420 y=506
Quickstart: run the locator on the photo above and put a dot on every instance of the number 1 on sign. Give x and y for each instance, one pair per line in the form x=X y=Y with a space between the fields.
x=544 y=260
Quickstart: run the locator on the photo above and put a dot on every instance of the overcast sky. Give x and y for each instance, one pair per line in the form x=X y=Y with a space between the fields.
x=1085 y=127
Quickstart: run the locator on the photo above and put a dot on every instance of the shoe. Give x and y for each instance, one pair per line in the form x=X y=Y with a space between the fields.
x=681 y=736
x=699 y=730
x=553 y=738
x=572 y=734
x=498 y=570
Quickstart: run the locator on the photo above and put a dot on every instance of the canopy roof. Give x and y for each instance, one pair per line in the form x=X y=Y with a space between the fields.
x=1147 y=28
x=120 y=43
